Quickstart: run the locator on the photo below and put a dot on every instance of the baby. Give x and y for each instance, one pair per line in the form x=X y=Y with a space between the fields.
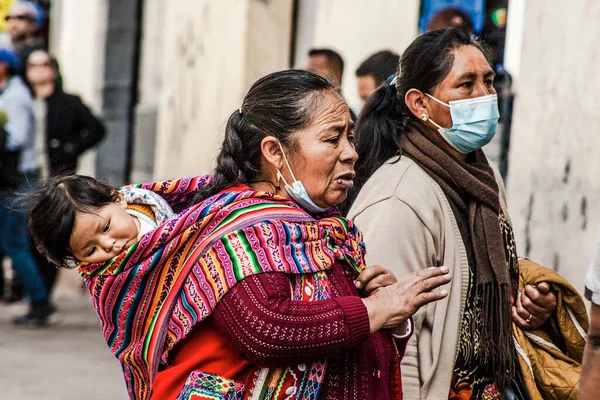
x=77 y=218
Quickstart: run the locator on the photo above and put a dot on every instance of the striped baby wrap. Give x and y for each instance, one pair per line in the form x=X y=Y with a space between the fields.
x=150 y=297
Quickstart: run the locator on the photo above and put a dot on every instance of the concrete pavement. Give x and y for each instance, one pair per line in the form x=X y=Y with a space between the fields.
x=67 y=361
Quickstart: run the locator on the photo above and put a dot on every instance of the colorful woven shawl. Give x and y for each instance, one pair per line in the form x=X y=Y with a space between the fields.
x=149 y=298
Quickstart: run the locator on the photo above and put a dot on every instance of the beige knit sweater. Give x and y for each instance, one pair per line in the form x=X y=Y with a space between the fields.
x=408 y=225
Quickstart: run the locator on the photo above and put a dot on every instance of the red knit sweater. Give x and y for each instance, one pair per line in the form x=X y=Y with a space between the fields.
x=268 y=329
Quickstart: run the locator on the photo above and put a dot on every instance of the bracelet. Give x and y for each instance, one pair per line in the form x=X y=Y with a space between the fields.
x=407 y=332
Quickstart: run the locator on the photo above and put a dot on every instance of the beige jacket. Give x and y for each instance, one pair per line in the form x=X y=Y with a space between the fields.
x=408 y=225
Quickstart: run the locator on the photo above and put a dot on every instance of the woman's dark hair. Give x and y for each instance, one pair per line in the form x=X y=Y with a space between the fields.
x=277 y=105
x=59 y=79
x=53 y=208
x=385 y=116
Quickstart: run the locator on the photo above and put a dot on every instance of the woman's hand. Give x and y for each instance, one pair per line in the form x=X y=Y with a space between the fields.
x=391 y=306
x=373 y=278
x=533 y=306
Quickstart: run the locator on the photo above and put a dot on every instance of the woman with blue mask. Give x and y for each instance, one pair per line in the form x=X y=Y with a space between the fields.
x=429 y=196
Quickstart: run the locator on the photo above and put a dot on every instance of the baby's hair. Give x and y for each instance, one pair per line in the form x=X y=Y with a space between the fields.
x=53 y=208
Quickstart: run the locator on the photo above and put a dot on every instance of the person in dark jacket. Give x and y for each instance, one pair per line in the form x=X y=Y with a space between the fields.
x=64 y=124
x=65 y=128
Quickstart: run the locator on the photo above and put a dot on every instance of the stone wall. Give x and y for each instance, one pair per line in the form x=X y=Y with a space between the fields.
x=553 y=183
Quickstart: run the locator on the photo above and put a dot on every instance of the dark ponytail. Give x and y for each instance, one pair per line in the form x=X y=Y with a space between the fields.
x=377 y=138
x=234 y=164
x=277 y=105
x=385 y=117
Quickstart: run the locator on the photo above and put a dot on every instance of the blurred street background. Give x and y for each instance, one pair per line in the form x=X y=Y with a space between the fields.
x=63 y=362
x=162 y=76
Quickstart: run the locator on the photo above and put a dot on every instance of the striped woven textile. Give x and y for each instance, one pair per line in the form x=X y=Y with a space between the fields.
x=149 y=298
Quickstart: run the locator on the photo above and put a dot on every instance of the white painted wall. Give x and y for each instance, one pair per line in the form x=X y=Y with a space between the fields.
x=553 y=185
x=214 y=52
x=152 y=54
x=356 y=29
x=514 y=38
x=78 y=40
x=268 y=39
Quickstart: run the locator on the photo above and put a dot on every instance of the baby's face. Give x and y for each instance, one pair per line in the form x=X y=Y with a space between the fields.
x=103 y=234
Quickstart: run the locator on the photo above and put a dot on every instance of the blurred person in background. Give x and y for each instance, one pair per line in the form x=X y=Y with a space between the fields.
x=24 y=19
x=16 y=101
x=590 y=372
x=374 y=71
x=448 y=18
x=65 y=129
x=327 y=63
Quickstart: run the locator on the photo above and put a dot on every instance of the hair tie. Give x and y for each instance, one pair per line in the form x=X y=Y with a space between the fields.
x=392 y=79
x=240 y=110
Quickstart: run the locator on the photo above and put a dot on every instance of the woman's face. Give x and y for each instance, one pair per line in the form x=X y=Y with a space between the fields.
x=471 y=76
x=324 y=156
x=40 y=68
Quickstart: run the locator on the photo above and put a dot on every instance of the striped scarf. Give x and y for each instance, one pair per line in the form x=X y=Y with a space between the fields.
x=150 y=297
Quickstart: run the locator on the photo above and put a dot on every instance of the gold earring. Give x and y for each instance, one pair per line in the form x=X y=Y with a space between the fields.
x=278 y=186
x=424 y=117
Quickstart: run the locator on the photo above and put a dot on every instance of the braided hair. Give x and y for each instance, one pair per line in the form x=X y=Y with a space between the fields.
x=278 y=105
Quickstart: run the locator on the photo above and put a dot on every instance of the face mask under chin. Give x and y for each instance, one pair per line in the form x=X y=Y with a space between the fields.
x=297 y=191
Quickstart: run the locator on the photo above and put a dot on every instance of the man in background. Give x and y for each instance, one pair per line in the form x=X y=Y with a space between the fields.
x=374 y=71
x=24 y=19
x=327 y=63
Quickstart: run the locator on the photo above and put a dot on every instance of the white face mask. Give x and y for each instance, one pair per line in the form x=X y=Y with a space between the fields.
x=474 y=122
x=297 y=191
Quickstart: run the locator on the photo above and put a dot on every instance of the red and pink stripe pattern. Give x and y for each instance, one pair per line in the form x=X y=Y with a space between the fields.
x=149 y=298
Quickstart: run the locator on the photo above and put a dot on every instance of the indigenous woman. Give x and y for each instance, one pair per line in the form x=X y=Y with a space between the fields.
x=259 y=290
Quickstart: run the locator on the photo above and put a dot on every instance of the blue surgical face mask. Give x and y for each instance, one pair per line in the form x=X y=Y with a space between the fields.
x=474 y=122
x=298 y=192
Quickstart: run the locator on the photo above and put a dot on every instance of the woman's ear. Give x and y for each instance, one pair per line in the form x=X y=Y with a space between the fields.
x=271 y=151
x=415 y=101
